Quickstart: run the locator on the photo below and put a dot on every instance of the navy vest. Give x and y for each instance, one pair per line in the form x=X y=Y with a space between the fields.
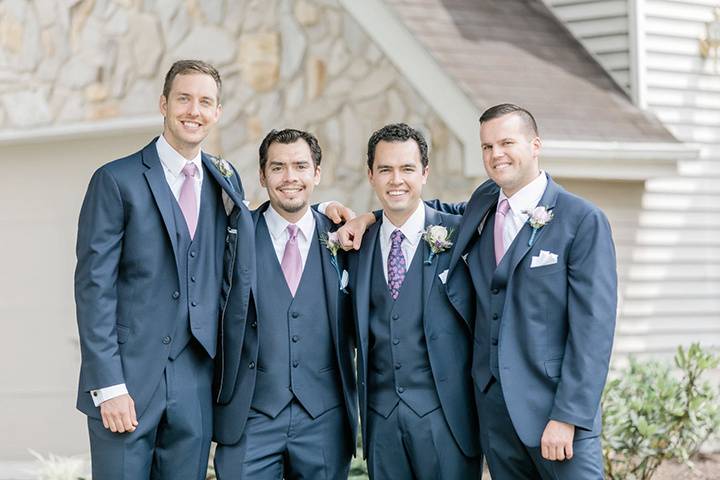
x=296 y=356
x=200 y=273
x=398 y=361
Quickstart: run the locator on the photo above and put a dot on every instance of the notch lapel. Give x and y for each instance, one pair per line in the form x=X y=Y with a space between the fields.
x=155 y=176
x=476 y=212
x=361 y=295
x=429 y=271
x=330 y=276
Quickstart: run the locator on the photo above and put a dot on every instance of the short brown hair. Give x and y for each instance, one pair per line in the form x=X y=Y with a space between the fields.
x=183 y=67
x=507 y=109
x=287 y=136
x=397 y=132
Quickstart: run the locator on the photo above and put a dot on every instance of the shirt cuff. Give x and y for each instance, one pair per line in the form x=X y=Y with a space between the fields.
x=104 y=394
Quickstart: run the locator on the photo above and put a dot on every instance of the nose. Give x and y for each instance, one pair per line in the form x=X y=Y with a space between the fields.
x=194 y=108
x=396 y=177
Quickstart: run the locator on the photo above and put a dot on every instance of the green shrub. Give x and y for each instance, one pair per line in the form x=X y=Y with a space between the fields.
x=651 y=415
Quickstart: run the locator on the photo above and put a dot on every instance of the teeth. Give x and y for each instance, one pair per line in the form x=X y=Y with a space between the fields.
x=191 y=124
x=396 y=193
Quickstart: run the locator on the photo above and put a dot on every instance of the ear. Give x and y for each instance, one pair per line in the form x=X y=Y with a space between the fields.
x=263 y=182
x=536 y=145
x=318 y=175
x=425 y=174
x=218 y=111
x=162 y=103
x=370 y=176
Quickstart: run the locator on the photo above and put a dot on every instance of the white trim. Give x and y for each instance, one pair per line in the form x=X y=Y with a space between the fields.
x=74 y=131
x=420 y=69
x=613 y=160
x=636 y=27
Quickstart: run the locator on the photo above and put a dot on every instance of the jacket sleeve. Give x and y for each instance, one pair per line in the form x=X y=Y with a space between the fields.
x=591 y=312
x=99 y=247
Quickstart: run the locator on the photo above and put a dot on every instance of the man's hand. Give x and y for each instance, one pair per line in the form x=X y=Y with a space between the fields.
x=557 y=441
x=350 y=235
x=338 y=213
x=118 y=414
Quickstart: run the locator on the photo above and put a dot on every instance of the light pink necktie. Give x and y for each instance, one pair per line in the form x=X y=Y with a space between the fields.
x=291 y=262
x=187 y=199
x=499 y=228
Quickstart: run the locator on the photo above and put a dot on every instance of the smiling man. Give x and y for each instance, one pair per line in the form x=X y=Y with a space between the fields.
x=147 y=284
x=286 y=406
x=414 y=328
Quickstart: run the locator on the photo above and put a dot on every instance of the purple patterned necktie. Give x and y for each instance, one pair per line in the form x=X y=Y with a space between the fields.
x=291 y=262
x=187 y=198
x=396 y=264
x=499 y=229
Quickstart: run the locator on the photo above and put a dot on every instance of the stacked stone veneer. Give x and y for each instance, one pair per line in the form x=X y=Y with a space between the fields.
x=285 y=63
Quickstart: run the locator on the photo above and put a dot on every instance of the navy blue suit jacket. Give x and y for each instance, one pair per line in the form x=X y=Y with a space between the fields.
x=127 y=279
x=448 y=315
x=558 y=320
x=235 y=381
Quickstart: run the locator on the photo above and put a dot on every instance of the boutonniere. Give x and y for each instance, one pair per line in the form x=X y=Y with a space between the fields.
x=331 y=242
x=539 y=217
x=438 y=239
x=223 y=166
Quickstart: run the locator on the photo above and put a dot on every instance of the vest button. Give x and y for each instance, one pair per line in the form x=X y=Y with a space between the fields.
x=494 y=341
x=295 y=363
x=194 y=304
x=397 y=366
x=395 y=316
x=294 y=314
x=295 y=338
x=495 y=316
x=396 y=340
x=400 y=389
x=494 y=291
x=192 y=253
x=192 y=278
x=251 y=365
x=253 y=324
x=166 y=339
x=176 y=295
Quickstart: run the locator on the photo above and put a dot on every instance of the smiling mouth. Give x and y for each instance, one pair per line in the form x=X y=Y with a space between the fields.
x=397 y=193
x=501 y=166
x=290 y=190
x=190 y=125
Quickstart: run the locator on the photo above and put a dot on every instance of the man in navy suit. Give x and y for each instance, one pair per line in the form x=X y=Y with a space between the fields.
x=286 y=402
x=149 y=248
x=414 y=326
x=542 y=262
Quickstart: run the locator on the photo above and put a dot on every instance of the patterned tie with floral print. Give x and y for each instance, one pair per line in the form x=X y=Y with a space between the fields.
x=396 y=264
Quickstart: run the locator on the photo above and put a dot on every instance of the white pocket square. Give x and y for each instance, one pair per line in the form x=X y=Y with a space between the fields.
x=443 y=276
x=543 y=259
x=344 y=279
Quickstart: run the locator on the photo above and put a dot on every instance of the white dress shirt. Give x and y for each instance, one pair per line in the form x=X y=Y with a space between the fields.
x=412 y=229
x=525 y=199
x=172 y=163
x=277 y=226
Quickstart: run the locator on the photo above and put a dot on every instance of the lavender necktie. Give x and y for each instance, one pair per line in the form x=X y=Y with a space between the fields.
x=291 y=262
x=499 y=228
x=396 y=264
x=188 y=199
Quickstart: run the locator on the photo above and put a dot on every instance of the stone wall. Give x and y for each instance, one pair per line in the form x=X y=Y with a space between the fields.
x=285 y=63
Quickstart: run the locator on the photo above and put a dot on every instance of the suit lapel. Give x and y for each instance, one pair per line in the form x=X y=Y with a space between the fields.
x=361 y=296
x=475 y=213
x=330 y=275
x=429 y=271
x=228 y=188
x=155 y=176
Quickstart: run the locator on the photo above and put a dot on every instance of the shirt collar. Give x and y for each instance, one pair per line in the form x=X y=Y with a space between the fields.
x=528 y=197
x=277 y=224
x=412 y=228
x=173 y=161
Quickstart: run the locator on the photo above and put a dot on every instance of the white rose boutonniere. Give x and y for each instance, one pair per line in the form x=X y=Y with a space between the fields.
x=330 y=241
x=539 y=217
x=438 y=239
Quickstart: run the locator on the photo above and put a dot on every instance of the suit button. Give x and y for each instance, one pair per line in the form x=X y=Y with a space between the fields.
x=166 y=339
x=295 y=338
x=295 y=363
x=494 y=341
x=400 y=389
x=194 y=304
x=95 y=394
x=176 y=295
x=396 y=341
x=495 y=316
x=494 y=291
x=395 y=316
x=192 y=278
x=253 y=324
x=397 y=366
x=294 y=314
x=251 y=365
x=192 y=253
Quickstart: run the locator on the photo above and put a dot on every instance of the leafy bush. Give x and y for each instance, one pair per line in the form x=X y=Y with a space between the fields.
x=651 y=415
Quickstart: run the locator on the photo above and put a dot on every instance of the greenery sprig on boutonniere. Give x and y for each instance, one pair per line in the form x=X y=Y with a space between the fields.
x=438 y=239
x=223 y=166
x=331 y=242
x=539 y=217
